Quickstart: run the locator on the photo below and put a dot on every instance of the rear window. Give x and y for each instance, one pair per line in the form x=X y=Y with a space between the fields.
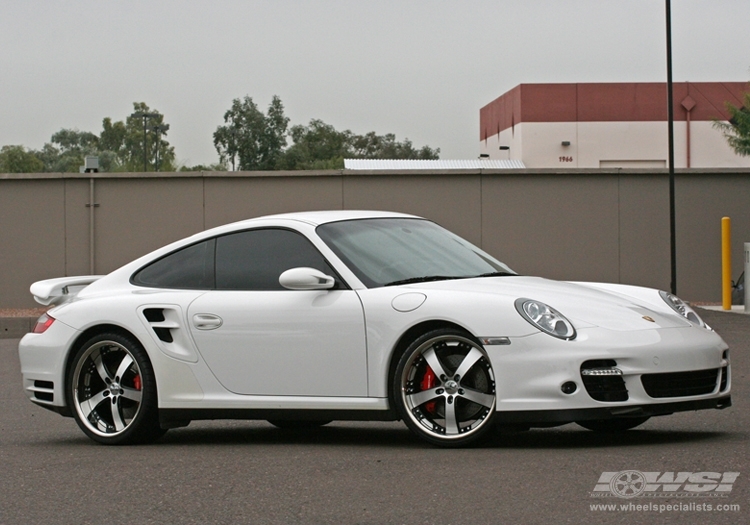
x=188 y=268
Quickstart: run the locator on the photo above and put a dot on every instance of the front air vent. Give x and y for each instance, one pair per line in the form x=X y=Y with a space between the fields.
x=724 y=371
x=724 y=378
x=681 y=384
x=603 y=380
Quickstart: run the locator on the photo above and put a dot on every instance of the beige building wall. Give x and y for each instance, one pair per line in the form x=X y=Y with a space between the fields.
x=590 y=225
x=230 y=198
x=506 y=138
x=32 y=236
x=558 y=228
x=135 y=217
x=621 y=124
x=452 y=200
x=612 y=145
x=709 y=148
x=625 y=142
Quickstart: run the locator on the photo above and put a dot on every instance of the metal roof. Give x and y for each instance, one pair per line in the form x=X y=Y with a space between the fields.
x=440 y=164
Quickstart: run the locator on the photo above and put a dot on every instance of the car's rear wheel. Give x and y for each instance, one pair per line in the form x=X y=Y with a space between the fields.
x=444 y=388
x=112 y=391
x=612 y=425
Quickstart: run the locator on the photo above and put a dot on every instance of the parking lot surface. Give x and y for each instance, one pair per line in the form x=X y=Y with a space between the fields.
x=237 y=472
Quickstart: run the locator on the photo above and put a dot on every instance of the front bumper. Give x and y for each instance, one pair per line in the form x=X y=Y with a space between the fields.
x=661 y=371
x=553 y=417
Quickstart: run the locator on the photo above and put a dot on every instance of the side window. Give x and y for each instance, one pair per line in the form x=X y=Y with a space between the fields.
x=188 y=268
x=254 y=259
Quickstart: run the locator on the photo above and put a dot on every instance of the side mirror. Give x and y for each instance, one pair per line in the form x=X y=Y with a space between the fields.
x=306 y=279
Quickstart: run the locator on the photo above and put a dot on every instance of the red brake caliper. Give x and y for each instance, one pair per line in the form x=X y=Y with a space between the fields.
x=137 y=382
x=428 y=381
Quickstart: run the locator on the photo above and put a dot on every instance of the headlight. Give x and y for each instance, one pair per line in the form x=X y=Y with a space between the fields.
x=545 y=318
x=682 y=308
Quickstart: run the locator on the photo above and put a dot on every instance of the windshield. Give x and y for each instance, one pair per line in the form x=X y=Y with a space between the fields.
x=384 y=252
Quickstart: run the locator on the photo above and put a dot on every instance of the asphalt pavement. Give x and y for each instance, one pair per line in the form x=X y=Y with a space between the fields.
x=240 y=472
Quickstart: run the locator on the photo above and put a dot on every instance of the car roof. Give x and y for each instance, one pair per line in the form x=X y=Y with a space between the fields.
x=317 y=218
x=312 y=218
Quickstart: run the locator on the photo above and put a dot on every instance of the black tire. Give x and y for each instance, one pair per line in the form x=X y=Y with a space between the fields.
x=111 y=390
x=297 y=424
x=612 y=425
x=444 y=388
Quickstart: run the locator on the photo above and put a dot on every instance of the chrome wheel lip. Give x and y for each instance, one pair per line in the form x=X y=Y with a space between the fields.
x=449 y=389
x=109 y=396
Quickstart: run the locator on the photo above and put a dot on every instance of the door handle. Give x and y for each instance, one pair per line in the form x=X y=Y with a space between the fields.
x=207 y=321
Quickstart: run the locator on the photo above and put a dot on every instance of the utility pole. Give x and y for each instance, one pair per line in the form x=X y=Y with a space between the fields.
x=161 y=128
x=670 y=113
x=145 y=116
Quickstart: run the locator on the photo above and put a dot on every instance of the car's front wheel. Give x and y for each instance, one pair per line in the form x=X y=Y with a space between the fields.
x=444 y=388
x=112 y=391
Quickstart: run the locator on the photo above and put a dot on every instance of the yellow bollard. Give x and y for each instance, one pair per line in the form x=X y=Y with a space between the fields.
x=726 y=263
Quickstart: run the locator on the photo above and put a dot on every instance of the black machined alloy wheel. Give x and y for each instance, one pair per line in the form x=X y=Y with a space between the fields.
x=444 y=388
x=112 y=391
x=613 y=425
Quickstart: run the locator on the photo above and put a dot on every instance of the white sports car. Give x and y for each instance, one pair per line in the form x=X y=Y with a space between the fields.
x=306 y=318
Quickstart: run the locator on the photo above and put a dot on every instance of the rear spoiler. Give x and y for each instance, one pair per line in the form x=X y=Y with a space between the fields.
x=60 y=290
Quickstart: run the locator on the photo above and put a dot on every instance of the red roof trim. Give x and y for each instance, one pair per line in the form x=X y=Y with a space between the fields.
x=607 y=102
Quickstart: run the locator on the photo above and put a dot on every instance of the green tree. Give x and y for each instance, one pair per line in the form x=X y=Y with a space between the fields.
x=16 y=159
x=71 y=146
x=737 y=130
x=74 y=140
x=320 y=146
x=204 y=167
x=316 y=146
x=66 y=151
x=373 y=146
x=50 y=157
x=142 y=134
x=112 y=137
x=119 y=146
x=250 y=140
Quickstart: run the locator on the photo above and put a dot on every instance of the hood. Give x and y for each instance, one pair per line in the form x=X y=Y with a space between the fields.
x=583 y=306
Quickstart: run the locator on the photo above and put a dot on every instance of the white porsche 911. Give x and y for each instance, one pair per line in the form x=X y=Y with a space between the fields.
x=306 y=318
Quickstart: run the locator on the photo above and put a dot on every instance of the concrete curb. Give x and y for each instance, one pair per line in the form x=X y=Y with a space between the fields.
x=736 y=309
x=16 y=327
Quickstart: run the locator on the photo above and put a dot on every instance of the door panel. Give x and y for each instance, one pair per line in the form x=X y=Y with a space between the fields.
x=303 y=343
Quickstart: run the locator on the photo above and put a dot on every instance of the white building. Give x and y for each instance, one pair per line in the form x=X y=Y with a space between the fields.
x=423 y=164
x=610 y=125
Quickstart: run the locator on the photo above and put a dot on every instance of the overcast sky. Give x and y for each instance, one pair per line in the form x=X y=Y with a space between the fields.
x=419 y=69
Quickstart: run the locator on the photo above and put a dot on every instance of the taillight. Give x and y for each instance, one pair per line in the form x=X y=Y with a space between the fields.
x=44 y=322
